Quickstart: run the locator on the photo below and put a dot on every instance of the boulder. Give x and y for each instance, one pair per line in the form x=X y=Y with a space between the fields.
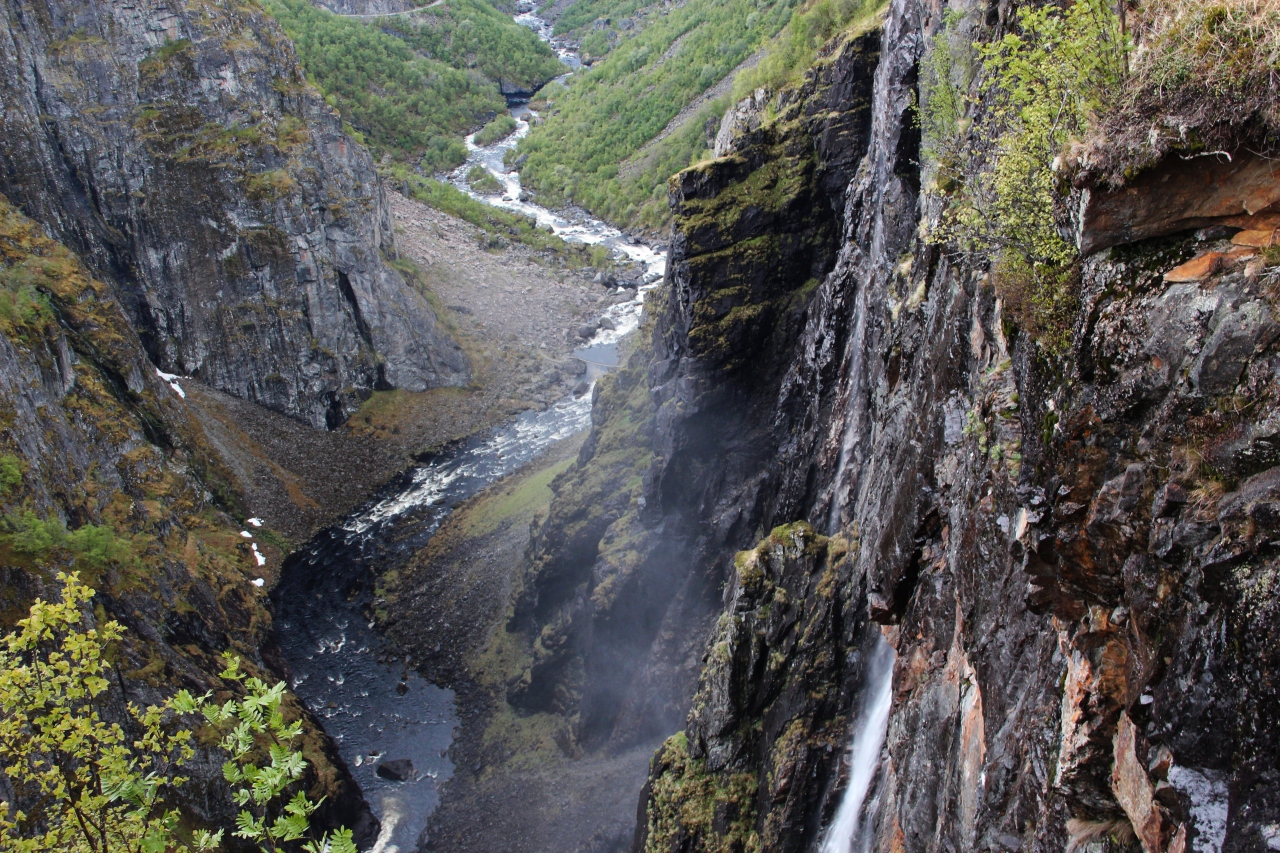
x=396 y=770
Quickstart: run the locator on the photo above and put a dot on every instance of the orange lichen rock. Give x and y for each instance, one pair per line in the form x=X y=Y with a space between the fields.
x=1256 y=239
x=1198 y=268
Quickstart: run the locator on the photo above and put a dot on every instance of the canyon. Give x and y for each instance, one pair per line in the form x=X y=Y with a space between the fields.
x=810 y=530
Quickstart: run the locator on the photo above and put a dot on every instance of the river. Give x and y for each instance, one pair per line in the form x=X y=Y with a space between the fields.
x=367 y=695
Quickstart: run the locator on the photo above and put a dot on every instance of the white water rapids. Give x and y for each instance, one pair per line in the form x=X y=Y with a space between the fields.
x=366 y=694
x=848 y=832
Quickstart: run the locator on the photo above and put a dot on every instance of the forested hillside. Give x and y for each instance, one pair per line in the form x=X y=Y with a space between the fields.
x=651 y=105
x=414 y=84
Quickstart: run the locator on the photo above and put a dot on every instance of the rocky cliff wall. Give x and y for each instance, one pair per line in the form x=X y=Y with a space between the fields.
x=627 y=572
x=94 y=442
x=1070 y=555
x=178 y=149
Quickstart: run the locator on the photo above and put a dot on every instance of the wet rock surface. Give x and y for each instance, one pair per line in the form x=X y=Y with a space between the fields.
x=1072 y=557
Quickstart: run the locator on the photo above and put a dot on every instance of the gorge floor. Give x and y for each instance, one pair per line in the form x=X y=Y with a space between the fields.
x=514 y=313
x=519 y=783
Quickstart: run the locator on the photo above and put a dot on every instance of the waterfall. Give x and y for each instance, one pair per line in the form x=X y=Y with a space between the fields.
x=864 y=751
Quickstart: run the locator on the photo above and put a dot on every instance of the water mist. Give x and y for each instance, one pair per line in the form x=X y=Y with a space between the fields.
x=864 y=751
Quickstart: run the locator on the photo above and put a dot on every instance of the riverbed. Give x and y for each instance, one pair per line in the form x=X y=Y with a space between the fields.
x=366 y=694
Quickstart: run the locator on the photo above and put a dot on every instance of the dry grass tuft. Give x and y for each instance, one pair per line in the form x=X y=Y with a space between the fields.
x=1205 y=77
x=1081 y=832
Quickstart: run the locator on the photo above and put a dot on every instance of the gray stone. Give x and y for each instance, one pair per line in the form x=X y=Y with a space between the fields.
x=242 y=277
x=396 y=770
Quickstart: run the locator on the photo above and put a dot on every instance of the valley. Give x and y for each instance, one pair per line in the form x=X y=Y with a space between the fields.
x=712 y=426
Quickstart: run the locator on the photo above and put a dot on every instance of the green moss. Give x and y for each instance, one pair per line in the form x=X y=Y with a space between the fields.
x=696 y=811
x=521 y=502
x=157 y=61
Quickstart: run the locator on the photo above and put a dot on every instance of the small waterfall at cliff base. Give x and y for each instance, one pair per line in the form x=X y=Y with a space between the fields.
x=868 y=735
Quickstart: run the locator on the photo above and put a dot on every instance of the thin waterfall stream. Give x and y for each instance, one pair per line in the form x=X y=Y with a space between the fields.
x=849 y=831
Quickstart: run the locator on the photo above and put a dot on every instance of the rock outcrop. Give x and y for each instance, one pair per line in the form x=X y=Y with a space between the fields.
x=108 y=474
x=1073 y=556
x=178 y=149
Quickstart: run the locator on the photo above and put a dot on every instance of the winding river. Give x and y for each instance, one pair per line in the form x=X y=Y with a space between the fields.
x=365 y=693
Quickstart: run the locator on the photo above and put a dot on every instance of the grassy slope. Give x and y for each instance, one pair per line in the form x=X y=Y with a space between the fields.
x=665 y=61
x=611 y=113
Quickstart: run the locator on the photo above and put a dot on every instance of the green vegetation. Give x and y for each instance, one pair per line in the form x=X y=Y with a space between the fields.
x=584 y=13
x=693 y=809
x=1220 y=47
x=11 y=470
x=500 y=225
x=483 y=181
x=1040 y=89
x=90 y=545
x=82 y=784
x=610 y=112
x=498 y=129
x=794 y=50
x=472 y=34
x=521 y=502
x=414 y=85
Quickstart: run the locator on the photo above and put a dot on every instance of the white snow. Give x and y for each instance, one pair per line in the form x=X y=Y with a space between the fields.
x=172 y=378
x=258 y=582
x=246 y=534
x=262 y=561
x=256 y=522
x=1208 y=793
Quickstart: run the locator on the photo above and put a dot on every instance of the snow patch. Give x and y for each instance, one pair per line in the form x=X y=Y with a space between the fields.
x=1208 y=794
x=172 y=378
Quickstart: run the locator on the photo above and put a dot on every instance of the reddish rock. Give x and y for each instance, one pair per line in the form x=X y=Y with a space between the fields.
x=1133 y=789
x=1258 y=239
x=1180 y=195
x=1198 y=268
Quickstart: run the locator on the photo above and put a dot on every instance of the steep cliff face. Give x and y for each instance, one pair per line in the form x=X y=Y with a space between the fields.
x=178 y=149
x=107 y=473
x=616 y=613
x=1070 y=555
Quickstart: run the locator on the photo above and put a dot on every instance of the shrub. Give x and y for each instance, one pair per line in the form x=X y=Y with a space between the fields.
x=11 y=470
x=482 y=180
x=498 y=129
x=1039 y=90
x=81 y=784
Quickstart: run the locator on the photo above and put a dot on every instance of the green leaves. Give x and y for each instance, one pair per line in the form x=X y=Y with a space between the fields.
x=81 y=785
x=89 y=785
x=1039 y=89
x=263 y=765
